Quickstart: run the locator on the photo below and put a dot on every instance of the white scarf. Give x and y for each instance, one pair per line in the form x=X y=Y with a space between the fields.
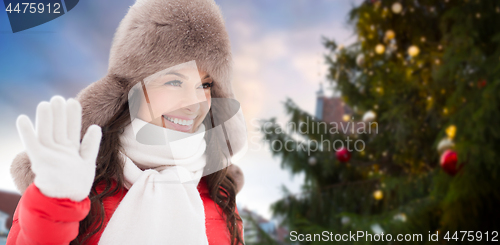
x=162 y=205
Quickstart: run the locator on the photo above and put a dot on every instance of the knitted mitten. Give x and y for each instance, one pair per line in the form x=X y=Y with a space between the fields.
x=63 y=167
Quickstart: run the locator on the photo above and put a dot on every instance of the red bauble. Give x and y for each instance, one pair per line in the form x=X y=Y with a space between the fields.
x=449 y=162
x=481 y=83
x=343 y=155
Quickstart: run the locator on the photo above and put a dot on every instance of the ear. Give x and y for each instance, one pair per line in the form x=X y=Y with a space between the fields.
x=21 y=172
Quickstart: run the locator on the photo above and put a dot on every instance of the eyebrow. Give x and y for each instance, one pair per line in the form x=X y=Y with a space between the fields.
x=177 y=74
x=183 y=76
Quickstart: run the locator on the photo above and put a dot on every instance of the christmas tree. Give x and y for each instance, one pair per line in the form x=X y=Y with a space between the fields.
x=420 y=155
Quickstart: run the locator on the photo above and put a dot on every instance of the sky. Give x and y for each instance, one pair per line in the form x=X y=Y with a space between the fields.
x=277 y=51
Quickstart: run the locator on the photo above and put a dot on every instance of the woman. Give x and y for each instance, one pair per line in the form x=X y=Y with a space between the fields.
x=130 y=195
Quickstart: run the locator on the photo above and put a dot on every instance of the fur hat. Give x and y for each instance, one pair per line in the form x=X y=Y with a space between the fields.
x=154 y=35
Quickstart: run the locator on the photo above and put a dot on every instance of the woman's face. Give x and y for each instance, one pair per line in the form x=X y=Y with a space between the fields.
x=178 y=100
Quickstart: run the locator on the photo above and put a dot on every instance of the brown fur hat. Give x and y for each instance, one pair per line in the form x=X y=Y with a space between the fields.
x=154 y=35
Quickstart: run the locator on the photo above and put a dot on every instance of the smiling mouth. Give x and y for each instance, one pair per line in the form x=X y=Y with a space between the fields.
x=179 y=121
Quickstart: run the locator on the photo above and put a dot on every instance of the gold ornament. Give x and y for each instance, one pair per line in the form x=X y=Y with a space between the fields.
x=390 y=34
x=397 y=7
x=379 y=49
x=413 y=50
x=346 y=118
x=378 y=195
x=451 y=131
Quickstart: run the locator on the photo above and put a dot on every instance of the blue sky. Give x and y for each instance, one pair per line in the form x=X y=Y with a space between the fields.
x=276 y=48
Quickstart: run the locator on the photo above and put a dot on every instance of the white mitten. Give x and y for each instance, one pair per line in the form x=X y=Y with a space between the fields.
x=63 y=167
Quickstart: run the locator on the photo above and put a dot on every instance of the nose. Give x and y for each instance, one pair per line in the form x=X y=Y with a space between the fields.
x=191 y=100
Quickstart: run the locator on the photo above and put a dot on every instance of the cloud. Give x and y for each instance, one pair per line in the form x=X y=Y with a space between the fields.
x=241 y=29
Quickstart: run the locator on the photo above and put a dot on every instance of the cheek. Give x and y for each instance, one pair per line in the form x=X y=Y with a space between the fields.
x=208 y=103
x=143 y=112
x=209 y=98
x=162 y=102
x=205 y=106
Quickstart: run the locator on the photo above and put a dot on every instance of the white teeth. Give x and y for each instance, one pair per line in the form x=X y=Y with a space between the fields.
x=179 y=121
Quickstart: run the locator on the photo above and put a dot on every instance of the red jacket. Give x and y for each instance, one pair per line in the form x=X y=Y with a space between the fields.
x=39 y=219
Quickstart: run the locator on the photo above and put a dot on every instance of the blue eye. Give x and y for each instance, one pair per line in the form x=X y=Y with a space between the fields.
x=207 y=85
x=175 y=83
